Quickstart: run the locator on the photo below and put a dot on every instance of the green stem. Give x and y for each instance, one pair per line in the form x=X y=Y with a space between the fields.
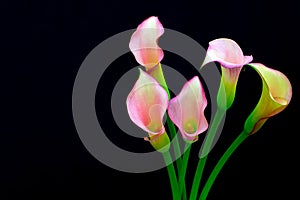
x=172 y=175
x=182 y=171
x=204 y=153
x=197 y=178
x=177 y=151
x=221 y=163
x=158 y=74
x=176 y=146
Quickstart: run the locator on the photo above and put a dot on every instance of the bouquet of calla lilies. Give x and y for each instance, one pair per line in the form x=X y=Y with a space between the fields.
x=150 y=100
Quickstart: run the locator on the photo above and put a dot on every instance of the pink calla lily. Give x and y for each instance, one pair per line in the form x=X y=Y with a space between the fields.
x=228 y=53
x=143 y=43
x=146 y=104
x=276 y=95
x=187 y=110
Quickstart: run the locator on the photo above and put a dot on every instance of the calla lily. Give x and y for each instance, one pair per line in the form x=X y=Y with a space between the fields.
x=146 y=104
x=276 y=95
x=187 y=110
x=228 y=53
x=143 y=43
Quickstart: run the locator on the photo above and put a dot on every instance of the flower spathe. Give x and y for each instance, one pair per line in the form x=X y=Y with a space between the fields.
x=276 y=95
x=186 y=110
x=146 y=104
x=143 y=43
x=229 y=54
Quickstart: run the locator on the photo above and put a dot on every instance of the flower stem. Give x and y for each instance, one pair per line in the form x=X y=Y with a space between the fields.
x=182 y=171
x=172 y=175
x=158 y=74
x=221 y=163
x=177 y=152
x=176 y=146
x=204 y=153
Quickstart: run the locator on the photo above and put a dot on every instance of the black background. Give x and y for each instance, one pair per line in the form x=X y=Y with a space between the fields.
x=44 y=44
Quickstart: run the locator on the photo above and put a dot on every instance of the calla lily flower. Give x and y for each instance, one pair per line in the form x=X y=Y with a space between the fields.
x=228 y=53
x=187 y=110
x=276 y=95
x=143 y=43
x=146 y=104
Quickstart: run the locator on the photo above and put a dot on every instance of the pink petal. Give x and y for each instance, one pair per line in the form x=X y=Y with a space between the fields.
x=143 y=43
x=227 y=52
x=147 y=103
x=187 y=110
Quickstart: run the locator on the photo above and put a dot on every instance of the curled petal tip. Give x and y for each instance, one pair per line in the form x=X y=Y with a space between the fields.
x=248 y=59
x=207 y=60
x=151 y=22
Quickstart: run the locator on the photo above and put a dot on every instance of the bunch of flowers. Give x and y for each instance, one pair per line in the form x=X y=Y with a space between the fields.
x=150 y=100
